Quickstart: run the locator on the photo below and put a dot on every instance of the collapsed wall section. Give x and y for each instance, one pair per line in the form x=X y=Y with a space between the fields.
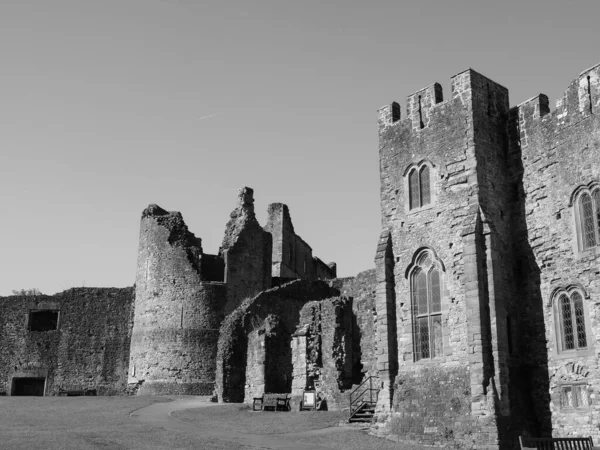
x=177 y=313
x=292 y=256
x=246 y=251
x=258 y=330
x=81 y=344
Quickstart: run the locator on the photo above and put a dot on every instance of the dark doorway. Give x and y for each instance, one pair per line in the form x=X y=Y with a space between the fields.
x=28 y=386
x=43 y=320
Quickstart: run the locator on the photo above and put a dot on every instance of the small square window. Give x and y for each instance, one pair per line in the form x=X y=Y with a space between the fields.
x=43 y=320
x=574 y=396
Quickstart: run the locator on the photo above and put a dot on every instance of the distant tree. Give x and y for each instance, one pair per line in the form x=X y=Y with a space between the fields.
x=27 y=292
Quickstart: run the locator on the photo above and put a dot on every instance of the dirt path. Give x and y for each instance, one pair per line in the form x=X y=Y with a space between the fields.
x=159 y=415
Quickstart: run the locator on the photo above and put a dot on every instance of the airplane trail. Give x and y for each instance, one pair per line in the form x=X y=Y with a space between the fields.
x=210 y=115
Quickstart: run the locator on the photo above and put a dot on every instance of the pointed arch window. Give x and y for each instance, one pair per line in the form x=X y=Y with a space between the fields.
x=572 y=327
x=587 y=217
x=426 y=293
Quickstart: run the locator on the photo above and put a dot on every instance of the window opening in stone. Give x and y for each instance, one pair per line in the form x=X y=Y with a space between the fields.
x=413 y=187
x=587 y=221
x=43 y=320
x=596 y=196
x=426 y=306
x=424 y=186
x=28 y=386
x=572 y=322
x=421 y=124
x=589 y=89
x=574 y=396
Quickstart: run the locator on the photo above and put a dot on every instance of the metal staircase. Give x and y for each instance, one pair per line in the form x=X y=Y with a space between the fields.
x=362 y=402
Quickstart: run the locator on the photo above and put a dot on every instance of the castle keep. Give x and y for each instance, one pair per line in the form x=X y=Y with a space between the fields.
x=478 y=323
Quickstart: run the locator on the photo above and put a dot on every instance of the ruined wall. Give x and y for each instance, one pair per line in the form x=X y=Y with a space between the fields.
x=279 y=306
x=247 y=252
x=292 y=256
x=89 y=350
x=361 y=289
x=177 y=313
x=325 y=332
x=559 y=154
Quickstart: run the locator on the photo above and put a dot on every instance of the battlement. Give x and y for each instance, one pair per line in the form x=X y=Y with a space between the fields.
x=469 y=89
x=579 y=100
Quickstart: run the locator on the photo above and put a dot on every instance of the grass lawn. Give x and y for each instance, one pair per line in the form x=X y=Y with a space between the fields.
x=86 y=423
x=241 y=419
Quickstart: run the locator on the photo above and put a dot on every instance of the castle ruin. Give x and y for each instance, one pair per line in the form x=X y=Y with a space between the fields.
x=479 y=322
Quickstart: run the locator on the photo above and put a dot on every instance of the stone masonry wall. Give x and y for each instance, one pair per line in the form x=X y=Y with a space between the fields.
x=247 y=252
x=177 y=313
x=558 y=154
x=89 y=350
x=280 y=306
x=292 y=256
x=364 y=347
x=442 y=136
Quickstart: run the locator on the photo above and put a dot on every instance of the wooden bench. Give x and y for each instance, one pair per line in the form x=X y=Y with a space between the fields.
x=76 y=393
x=272 y=402
x=574 y=443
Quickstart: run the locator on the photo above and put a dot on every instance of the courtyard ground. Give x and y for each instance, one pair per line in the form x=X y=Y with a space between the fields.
x=123 y=423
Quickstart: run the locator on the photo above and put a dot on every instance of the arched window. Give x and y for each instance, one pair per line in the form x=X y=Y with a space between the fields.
x=570 y=320
x=419 y=186
x=587 y=217
x=426 y=293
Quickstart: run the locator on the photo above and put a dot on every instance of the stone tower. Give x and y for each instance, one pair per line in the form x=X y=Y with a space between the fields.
x=179 y=302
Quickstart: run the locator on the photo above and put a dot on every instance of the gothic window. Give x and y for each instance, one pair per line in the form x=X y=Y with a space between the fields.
x=587 y=217
x=572 y=326
x=426 y=293
x=419 y=186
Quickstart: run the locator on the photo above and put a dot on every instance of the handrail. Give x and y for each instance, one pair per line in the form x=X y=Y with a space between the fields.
x=357 y=398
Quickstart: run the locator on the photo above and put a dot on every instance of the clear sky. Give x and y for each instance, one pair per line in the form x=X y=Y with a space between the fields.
x=107 y=106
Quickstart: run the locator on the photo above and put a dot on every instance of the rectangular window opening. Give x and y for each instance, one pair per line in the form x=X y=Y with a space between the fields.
x=43 y=320
x=574 y=396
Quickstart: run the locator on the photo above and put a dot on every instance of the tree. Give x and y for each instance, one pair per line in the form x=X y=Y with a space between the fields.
x=27 y=292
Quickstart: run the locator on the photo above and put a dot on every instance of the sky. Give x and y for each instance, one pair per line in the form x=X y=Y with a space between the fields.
x=107 y=106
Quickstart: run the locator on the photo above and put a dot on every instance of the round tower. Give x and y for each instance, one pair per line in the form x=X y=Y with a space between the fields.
x=177 y=314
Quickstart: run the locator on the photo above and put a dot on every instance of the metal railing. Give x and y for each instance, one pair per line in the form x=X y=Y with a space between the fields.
x=364 y=393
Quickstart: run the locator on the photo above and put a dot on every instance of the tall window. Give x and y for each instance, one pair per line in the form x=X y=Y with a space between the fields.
x=419 y=187
x=572 y=322
x=588 y=218
x=426 y=293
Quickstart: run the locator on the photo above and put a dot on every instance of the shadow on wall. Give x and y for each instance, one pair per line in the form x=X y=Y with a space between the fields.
x=530 y=383
x=283 y=304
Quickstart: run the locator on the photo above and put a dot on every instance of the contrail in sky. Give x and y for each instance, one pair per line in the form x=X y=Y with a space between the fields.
x=210 y=115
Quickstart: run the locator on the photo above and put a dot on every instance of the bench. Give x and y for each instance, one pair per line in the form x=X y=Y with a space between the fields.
x=76 y=393
x=272 y=402
x=574 y=443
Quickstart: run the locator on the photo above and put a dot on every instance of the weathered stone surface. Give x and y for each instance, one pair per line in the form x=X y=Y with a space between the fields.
x=177 y=313
x=268 y=319
x=292 y=256
x=501 y=223
x=89 y=350
x=247 y=252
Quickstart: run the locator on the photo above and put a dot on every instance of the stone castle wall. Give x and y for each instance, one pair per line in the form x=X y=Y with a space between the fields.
x=177 y=313
x=559 y=154
x=88 y=350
